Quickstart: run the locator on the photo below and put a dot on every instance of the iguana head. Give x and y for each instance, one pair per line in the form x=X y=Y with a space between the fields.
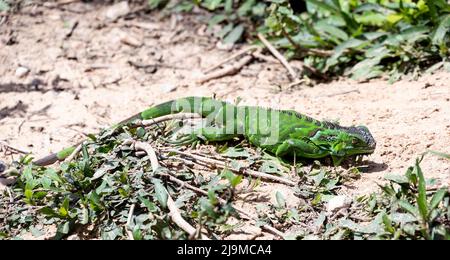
x=348 y=141
x=342 y=142
x=355 y=140
x=360 y=141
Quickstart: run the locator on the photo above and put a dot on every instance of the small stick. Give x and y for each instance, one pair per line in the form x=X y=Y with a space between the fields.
x=175 y=214
x=232 y=57
x=317 y=52
x=11 y=198
x=72 y=29
x=239 y=210
x=180 y=116
x=74 y=153
x=130 y=217
x=278 y=55
x=263 y=57
x=343 y=93
x=221 y=165
x=150 y=152
x=144 y=66
x=66 y=2
x=13 y=148
x=228 y=70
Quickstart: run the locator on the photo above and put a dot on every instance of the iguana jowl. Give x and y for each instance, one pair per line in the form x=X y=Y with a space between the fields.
x=280 y=132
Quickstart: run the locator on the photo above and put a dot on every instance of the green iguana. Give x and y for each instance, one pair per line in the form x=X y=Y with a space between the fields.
x=280 y=132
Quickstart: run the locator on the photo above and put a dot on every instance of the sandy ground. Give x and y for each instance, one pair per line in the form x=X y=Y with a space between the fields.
x=83 y=81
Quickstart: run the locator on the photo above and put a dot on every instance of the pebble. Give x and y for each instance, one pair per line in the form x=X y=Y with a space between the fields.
x=338 y=202
x=22 y=71
x=117 y=10
x=2 y=166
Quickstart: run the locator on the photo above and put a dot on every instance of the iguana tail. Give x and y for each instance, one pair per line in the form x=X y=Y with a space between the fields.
x=200 y=105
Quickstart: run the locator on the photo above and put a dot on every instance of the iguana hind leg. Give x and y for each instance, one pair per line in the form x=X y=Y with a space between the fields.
x=212 y=134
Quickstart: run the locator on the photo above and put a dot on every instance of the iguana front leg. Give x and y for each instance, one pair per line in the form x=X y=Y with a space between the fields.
x=301 y=148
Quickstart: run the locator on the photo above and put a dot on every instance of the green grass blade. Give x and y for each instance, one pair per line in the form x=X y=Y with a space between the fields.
x=422 y=197
x=437 y=198
x=442 y=30
x=443 y=155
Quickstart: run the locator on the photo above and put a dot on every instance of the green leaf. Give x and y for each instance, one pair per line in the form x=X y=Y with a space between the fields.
x=28 y=173
x=270 y=167
x=36 y=232
x=3 y=6
x=64 y=209
x=332 y=32
x=388 y=223
x=433 y=11
x=443 y=155
x=403 y=218
x=84 y=216
x=422 y=197
x=231 y=177
x=352 y=43
x=225 y=30
x=437 y=198
x=442 y=30
x=234 y=35
x=212 y=4
x=28 y=195
x=95 y=201
x=408 y=207
x=137 y=234
x=160 y=193
x=234 y=152
x=64 y=228
x=318 y=177
x=49 y=212
x=246 y=7
x=216 y=19
x=280 y=200
x=349 y=224
x=399 y=179
x=150 y=205
x=324 y=6
x=366 y=69
x=53 y=175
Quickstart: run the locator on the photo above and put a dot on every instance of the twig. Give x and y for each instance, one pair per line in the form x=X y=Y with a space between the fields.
x=72 y=29
x=139 y=65
x=150 y=152
x=143 y=25
x=232 y=57
x=93 y=67
x=222 y=201
x=11 y=198
x=180 y=116
x=343 y=93
x=317 y=52
x=293 y=84
x=221 y=165
x=228 y=70
x=175 y=214
x=259 y=55
x=278 y=55
x=129 y=219
x=17 y=150
x=74 y=153
x=65 y=2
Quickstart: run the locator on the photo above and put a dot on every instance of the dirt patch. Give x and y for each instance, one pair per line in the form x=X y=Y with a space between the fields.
x=85 y=78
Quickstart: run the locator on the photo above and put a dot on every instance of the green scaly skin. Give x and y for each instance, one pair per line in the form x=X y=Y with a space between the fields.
x=296 y=134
